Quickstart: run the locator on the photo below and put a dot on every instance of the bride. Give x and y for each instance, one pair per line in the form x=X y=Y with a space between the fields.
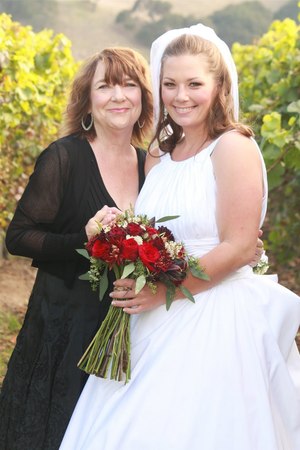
x=223 y=373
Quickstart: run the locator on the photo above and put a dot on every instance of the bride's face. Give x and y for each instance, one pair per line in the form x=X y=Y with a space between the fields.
x=188 y=89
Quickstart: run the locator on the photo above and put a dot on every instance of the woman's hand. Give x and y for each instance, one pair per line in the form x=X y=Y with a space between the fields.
x=104 y=216
x=145 y=300
x=258 y=251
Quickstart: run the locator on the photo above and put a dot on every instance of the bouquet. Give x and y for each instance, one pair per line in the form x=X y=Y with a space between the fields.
x=262 y=266
x=133 y=248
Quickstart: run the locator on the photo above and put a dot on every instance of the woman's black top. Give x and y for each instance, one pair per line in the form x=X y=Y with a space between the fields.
x=43 y=382
x=64 y=192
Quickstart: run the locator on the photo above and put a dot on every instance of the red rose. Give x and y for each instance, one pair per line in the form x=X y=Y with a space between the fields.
x=134 y=229
x=148 y=254
x=90 y=244
x=129 y=249
x=101 y=250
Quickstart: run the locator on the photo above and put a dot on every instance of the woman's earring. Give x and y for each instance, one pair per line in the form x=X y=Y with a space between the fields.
x=89 y=126
x=165 y=114
x=140 y=124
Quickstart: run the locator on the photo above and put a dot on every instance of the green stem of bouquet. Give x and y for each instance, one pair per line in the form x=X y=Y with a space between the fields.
x=110 y=348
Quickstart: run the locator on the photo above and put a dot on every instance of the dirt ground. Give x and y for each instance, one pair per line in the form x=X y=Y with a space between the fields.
x=16 y=280
x=17 y=277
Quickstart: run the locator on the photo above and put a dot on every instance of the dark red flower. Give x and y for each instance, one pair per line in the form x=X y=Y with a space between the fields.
x=116 y=235
x=158 y=243
x=129 y=249
x=167 y=233
x=134 y=229
x=148 y=254
x=177 y=271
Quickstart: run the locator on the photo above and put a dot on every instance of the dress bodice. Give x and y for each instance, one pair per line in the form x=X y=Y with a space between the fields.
x=187 y=188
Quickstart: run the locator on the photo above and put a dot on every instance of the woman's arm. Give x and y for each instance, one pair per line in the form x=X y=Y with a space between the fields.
x=31 y=232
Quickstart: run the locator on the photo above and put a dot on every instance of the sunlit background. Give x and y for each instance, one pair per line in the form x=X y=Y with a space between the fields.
x=94 y=24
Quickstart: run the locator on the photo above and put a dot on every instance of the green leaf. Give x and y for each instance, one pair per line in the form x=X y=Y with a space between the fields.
x=198 y=273
x=256 y=108
x=187 y=293
x=292 y=121
x=275 y=176
x=271 y=124
x=270 y=152
x=83 y=252
x=140 y=283
x=292 y=158
x=117 y=271
x=165 y=218
x=294 y=107
x=103 y=285
x=170 y=295
x=42 y=61
x=127 y=270
x=84 y=276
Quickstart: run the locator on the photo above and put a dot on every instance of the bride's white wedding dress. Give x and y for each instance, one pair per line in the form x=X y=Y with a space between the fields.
x=220 y=374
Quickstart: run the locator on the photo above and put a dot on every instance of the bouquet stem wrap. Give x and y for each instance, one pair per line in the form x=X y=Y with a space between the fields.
x=110 y=348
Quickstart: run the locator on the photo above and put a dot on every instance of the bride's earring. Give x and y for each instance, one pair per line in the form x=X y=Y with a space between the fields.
x=140 y=124
x=165 y=114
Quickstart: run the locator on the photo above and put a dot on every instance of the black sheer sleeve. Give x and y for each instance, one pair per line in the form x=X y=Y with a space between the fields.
x=32 y=231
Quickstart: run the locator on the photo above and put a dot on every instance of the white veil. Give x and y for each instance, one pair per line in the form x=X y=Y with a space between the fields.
x=159 y=45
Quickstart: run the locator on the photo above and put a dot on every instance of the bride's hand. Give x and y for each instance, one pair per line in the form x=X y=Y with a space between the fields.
x=105 y=216
x=258 y=250
x=124 y=296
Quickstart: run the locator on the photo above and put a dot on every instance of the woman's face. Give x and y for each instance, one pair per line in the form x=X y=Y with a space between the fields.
x=188 y=89
x=114 y=106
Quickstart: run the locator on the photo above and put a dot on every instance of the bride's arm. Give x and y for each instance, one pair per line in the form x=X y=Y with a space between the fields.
x=238 y=174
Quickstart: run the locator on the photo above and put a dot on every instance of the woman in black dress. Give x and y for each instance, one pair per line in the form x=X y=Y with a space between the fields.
x=96 y=164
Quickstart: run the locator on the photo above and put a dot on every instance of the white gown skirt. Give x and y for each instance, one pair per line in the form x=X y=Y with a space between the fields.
x=220 y=374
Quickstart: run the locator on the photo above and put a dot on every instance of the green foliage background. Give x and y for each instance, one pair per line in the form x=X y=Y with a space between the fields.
x=269 y=73
x=35 y=71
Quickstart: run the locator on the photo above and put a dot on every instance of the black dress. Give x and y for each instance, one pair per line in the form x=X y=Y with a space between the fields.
x=43 y=382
